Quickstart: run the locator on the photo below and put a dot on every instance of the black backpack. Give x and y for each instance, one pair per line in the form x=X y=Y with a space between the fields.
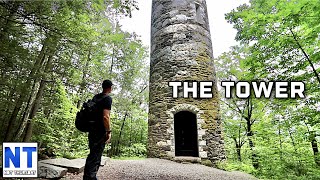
x=86 y=117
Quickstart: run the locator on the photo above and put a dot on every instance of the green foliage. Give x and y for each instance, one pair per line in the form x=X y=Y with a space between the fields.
x=135 y=150
x=54 y=56
x=58 y=131
x=282 y=129
x=208 y=163
x=236 y=166
x=279 y=41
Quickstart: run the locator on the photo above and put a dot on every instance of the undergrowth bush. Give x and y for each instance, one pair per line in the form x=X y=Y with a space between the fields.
x=135 y=150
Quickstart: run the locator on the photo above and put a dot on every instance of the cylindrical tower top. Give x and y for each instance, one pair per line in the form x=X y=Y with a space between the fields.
x=180 y=22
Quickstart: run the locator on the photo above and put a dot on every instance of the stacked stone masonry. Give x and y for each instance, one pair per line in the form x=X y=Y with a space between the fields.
x=181 y=50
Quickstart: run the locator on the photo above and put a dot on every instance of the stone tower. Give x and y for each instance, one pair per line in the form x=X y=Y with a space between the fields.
x=181 y=50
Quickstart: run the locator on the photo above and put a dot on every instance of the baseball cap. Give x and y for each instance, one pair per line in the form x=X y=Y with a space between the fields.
x=106 y=84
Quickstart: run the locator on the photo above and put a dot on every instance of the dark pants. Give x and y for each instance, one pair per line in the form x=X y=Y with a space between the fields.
x=96 y=145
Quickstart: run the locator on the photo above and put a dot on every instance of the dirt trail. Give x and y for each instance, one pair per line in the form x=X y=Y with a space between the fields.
x=159 y=169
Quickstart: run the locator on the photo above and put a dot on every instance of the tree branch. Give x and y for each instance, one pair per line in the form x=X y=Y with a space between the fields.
x=306 y=55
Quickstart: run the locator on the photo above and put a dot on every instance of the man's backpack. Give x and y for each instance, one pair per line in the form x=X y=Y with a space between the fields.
x=86 y=117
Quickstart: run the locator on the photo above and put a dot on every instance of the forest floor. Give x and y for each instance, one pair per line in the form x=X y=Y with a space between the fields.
x=159 y=169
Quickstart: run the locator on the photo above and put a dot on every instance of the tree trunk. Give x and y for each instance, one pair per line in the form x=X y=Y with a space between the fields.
x=112 y=59
x=33 y=112
x=254 y=156
x=83 y=83
x=315 y=150
x=280 y=140
x=239 y=153
x=141 y=135
x=24 y=95
x=238 y=149
x=130 y=142
x=314 y=145
x=37 y=100
x=9 y=105
x=120 y=133
x=306 y=56
x=26 y=112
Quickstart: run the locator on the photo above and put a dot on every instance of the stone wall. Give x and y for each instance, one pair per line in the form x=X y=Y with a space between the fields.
x=181 y=50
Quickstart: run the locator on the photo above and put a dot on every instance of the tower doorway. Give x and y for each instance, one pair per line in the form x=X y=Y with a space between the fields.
x=185 y=134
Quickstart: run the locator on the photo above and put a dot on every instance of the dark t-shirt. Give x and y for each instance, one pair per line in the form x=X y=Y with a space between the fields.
x=102 y=104
x=106 y=102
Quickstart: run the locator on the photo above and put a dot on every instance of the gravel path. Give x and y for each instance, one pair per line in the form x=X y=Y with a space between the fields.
x=159 y=169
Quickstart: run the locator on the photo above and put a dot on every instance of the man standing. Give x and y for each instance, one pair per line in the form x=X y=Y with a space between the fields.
x=100 y=133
